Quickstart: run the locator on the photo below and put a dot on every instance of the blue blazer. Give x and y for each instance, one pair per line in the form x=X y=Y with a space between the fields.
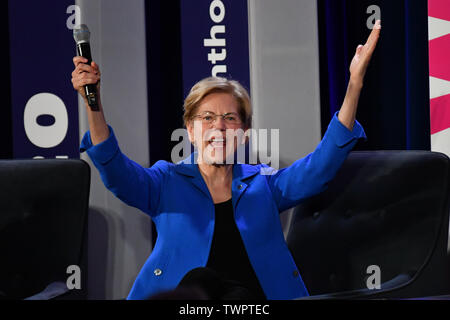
x=177 y=199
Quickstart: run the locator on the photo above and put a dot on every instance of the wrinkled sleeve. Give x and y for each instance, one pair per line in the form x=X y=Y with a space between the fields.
x=310 y=175
x=135 y=185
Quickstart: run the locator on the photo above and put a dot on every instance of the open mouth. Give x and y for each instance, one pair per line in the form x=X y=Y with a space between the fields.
x=217 y=142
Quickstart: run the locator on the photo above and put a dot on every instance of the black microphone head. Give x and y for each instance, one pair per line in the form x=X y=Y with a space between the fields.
x=81 y=34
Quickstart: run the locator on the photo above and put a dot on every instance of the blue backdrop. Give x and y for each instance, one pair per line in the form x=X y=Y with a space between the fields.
x=394 y=105
x=214 y=33
x=41 y=52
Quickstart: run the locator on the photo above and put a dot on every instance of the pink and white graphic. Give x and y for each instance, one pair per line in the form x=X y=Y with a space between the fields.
x=439 y=47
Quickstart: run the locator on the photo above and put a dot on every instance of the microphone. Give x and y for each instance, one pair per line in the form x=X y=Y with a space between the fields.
x=82 y=36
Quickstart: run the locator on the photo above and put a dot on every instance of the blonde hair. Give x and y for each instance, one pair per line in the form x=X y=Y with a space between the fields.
x=222 y=85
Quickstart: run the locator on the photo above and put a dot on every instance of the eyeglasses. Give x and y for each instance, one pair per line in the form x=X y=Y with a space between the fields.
x=231 y=118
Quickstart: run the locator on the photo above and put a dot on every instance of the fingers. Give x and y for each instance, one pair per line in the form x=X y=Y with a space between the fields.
x=374 y=36
x=359 y=49
x=367 y=50
x=364 y=53
x=85 y=68
x=84 y=79
x=84 y=74
x=95 y=66
x=378 y=25
x=77 y=60
x=80 y=65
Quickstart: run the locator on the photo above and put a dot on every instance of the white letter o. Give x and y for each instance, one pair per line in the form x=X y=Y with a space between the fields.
x=45 y=136
x=217 y=18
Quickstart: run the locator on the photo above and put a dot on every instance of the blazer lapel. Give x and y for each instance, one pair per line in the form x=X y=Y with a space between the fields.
x=241 y=175
x=188 y=167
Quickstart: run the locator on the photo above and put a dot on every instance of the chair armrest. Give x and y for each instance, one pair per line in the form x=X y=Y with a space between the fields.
x=53 y=290
x=362 y=293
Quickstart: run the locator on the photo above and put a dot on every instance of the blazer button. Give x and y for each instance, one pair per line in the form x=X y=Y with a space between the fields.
x=240 y=186
x=157 y=272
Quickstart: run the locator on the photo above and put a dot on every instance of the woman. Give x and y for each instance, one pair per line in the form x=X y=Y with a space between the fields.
x=218 y=223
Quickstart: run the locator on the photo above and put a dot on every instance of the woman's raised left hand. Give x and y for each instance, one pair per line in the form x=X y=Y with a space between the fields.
x=360 y=62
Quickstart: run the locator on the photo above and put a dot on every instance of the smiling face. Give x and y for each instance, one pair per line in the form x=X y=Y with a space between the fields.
x=215 y=137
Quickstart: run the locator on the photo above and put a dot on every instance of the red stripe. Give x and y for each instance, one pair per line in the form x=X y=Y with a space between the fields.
x=440 y=57
x=440 y=114
x=439 y=9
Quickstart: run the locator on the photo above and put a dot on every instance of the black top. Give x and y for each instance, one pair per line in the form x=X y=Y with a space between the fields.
x=228 y=255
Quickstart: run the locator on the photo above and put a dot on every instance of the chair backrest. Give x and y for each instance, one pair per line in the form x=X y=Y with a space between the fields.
x=43 y=217
x=384 y=208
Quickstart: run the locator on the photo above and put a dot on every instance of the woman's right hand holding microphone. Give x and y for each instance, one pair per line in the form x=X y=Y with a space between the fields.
x=82 y=75
x=85 y=74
